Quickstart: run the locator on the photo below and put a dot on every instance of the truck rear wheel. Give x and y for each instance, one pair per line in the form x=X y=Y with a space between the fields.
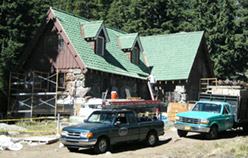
x=101 y=146
x=213 y=133
x=182 y=133
x=72 y=149
x=151 y=139
x=245 y=128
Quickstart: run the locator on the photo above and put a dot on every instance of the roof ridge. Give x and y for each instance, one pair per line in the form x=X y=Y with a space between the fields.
x=173 y=34
x=88 y=20
x=71 y=14
x=115 y=29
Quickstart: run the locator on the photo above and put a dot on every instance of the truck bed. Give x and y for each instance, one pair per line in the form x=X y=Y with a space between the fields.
x=239 y=105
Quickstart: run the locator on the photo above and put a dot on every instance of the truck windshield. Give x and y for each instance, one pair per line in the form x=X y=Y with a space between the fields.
x=207 y=107
x=101 y=118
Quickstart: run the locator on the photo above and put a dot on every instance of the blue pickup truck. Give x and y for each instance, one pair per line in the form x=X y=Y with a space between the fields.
x=104 y=128
x=214 y=114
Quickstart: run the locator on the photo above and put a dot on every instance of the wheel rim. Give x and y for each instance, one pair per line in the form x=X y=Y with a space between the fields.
x=213 y=132
x=102 y=145
x=152 y=139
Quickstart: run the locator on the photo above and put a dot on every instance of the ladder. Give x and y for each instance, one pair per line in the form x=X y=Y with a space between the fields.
x=150 y=90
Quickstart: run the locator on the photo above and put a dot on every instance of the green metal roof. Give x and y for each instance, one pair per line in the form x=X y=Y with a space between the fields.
x=91 y=28
x=171 y=56
x=127 y=40
x=114 y=61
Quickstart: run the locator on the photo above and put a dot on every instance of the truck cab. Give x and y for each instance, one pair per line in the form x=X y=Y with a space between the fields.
x=104 y=128
x=207 y=117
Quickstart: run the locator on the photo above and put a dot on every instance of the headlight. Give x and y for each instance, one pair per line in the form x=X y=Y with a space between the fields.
x=86 y=134
x=64 y=133
x=204 y=121
x=177 y=118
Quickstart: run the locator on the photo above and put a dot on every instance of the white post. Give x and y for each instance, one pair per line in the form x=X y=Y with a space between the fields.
x=58 y=126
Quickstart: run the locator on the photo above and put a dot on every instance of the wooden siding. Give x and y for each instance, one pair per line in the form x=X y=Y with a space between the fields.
x=49 y=59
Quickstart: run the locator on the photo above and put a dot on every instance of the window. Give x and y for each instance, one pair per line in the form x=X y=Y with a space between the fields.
x=226 y=110
x=100 y=46
x=207 y=107
x=121 y=117
x=101 y=117
x=135 y=56
x=131 y=118
x=61 y=43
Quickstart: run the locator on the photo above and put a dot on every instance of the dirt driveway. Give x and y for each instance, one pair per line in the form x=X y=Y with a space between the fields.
x=230 y=144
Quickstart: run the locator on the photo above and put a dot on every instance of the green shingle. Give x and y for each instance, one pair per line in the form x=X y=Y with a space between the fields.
x=127 y=40
x=171 y=56
x=91 y=28
x=114 y=61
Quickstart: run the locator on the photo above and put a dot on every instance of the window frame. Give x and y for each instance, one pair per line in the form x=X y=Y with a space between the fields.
x=137 y=55
x=102 y=47
x=60 y=43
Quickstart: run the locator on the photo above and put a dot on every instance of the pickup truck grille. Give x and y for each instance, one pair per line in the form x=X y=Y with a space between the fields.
x=74 y=134
x=190 y=120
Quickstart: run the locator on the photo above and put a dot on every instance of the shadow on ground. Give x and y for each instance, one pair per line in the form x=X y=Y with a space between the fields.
x=122 y=147
x=221 y=135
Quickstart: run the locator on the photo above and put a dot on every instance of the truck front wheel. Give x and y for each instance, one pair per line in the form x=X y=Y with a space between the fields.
x=182 y=133
x=213 y=133
x=101 y=146
x=151 y=139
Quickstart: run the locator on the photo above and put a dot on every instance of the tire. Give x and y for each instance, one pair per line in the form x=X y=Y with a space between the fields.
x=182 y=133
x=101 y=146
x=151 y=139
x=213 y=133
x=72 y=149
x=245 y=128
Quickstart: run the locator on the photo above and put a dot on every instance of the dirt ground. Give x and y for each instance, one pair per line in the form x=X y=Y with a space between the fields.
x=229 y=144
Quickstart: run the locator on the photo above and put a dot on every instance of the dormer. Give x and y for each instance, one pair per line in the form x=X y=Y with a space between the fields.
x=130 y=44
x=96 y=35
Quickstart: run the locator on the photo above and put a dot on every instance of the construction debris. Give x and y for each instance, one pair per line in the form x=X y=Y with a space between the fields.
x=7 y=143
x=40 y=140
x=11 y=129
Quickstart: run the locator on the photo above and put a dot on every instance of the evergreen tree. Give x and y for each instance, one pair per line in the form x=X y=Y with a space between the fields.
x=223 y=55
x=18 y=24
x=241 y=40
x=118 y=14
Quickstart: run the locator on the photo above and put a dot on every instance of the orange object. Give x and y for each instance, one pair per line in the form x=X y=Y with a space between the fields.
x=113 y=95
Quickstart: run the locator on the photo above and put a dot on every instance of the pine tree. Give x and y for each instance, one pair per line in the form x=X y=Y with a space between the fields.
x=241 y=40
x=18 y=24
x=223 y=55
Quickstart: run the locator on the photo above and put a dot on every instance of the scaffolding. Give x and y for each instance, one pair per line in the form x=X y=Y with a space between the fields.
x=206 y=83
x=38 y=94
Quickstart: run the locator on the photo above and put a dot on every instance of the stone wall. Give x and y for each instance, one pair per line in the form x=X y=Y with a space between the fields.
x=94 y=83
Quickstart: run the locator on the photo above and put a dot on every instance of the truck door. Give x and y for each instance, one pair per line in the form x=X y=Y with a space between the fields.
x=123 y=131
x=227 y=118
x=133 y=127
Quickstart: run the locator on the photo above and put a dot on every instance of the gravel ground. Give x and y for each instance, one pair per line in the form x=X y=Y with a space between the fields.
x=230 y=144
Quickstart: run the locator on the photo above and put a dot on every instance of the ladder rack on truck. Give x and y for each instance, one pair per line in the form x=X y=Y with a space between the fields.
x=135 y=105
x=130 y=104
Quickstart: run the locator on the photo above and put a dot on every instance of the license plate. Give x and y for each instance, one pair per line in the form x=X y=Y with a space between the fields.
x=187 y=127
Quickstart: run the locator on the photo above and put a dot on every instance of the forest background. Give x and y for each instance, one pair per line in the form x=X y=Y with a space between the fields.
x=225 y=23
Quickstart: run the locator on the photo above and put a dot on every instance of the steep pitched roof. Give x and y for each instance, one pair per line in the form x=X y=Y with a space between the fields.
x=93 y=29
x=114 y=61
x=172 y=56
x=128 y=41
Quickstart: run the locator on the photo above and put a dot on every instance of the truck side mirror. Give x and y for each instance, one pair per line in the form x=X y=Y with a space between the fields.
x=117 y=123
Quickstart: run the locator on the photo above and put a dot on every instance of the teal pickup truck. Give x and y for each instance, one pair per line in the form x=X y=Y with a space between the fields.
x=104 y=128
x=214 y=114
